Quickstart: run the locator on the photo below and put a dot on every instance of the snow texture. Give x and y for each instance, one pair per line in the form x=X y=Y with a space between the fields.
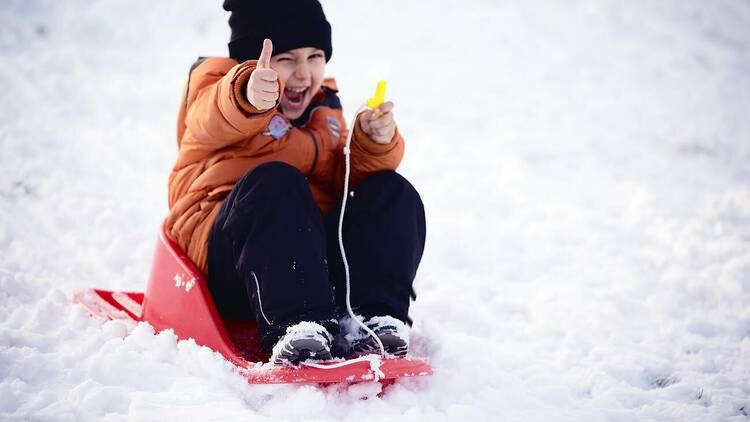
x=584 y=166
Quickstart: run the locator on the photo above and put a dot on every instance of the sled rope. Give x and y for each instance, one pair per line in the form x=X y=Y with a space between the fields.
x=374 y=360
x=347 y=159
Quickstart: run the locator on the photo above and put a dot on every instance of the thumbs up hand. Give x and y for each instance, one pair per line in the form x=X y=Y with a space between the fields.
x=378 y=124
x=263 y=86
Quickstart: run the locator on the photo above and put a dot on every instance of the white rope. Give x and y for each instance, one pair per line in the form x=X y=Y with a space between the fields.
x=347 y=159
x=374 y=360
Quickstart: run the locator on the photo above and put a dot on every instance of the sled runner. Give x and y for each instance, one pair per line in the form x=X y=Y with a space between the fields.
x=177 y=297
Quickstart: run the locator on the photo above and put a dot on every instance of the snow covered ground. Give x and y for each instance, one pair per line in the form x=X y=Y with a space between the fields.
x=585 y=167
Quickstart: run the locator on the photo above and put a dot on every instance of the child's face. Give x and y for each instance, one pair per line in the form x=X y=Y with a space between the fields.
x=302 y=71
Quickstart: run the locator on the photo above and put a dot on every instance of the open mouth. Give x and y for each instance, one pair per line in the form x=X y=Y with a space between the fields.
x=295 y=96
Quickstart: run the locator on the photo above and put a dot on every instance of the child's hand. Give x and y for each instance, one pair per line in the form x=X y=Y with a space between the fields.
x=378 y=124
x=263 y=86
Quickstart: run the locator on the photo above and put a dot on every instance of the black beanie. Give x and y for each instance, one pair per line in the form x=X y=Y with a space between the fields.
x=289 y=24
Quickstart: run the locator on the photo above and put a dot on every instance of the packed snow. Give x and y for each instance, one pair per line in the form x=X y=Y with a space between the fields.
x=585 y=167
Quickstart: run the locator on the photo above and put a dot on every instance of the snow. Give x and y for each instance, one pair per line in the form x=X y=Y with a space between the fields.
x=584 y=167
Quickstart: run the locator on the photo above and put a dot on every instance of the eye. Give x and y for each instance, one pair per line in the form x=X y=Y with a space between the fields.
x=283 y=59
x=316 y=56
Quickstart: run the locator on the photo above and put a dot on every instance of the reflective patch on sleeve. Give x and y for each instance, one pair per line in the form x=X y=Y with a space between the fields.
x=334 y=127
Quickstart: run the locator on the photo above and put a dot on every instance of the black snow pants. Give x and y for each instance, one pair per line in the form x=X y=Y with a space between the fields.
x=274 y=258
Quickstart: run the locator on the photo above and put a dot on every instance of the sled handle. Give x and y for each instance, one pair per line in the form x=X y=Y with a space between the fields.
x=379 y=97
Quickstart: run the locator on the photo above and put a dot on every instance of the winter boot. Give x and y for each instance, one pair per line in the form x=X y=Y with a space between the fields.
x=392 y=332
x=302 y=341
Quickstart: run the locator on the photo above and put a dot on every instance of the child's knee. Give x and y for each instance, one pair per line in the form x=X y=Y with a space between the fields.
x=273 y=174
x=278 y=170
x=391 y=183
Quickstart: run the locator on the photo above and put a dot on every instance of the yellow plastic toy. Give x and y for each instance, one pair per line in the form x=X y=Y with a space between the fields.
x=379 y=97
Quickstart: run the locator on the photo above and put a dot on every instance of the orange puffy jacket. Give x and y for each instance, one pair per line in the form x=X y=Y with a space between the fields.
x=221 y=136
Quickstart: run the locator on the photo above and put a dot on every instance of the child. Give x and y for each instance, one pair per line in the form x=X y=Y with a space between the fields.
x=255 y=193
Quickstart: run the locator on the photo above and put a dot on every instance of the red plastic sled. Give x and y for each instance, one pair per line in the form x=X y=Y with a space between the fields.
x=178 y=297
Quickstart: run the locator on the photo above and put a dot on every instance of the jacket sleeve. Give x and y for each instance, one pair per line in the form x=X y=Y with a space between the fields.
x=367 y=156
x=218 y=114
